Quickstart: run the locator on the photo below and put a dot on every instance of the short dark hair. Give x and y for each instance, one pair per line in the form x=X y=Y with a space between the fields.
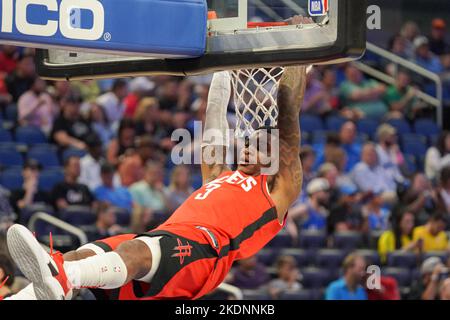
x=67 y=160
x=8 y=269
x=119 y=84
x=107 y=168
x=436 y=217
x=445 y=175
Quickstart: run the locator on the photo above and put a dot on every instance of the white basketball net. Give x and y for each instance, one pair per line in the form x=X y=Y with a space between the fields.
x=255 y=98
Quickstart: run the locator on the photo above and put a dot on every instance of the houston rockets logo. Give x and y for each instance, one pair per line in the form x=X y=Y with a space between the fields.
x=183 y=251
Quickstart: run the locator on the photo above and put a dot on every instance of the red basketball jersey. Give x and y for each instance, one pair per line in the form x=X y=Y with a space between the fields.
x=237 y=209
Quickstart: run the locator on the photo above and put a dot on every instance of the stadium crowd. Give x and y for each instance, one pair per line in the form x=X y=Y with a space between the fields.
x=376 y=189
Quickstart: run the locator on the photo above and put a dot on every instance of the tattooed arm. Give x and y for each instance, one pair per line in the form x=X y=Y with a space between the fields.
x=286 y=185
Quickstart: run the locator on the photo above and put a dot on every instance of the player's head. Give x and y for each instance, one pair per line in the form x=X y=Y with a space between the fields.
x=257 y=152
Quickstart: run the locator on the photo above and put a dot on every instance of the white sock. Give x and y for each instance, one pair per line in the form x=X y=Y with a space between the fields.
x=26 y=293
x=106 y=271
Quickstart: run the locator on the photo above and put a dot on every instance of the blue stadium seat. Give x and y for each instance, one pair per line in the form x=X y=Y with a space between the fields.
x=256 y=295
x=304 y=294
x=73 y=152
x=49 y=178
x=123 y=217
x=30 y=135
x=304 y=258
x=347 y=240
x=372 y=257
x=46 y=155
x=5 y=135
x=402 y=275
x=267 y=256
x=368 y=126
x=27 y=212
x=11 y=179
x=426 y=127
x=310 y=123
x=402 y=259
x=319 y=137
x=334 y=123
x=10 y=158
x=402 y=126
x=11 y=112
x=281 y=240
x=415 y=148
x=312 y=239
x=314 y=278
x=330 y=258
x=78 y=216
x=411 y=137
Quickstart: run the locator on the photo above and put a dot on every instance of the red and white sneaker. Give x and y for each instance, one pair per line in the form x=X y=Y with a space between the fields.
x=44 y=270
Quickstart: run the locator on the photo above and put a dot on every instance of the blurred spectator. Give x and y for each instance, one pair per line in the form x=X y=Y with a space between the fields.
x=22 y=79
x=6 y=274
x=438 y=156
x=347 y=138
x=398 y=46
x=399 y=237
x=345 y=214
x=105 y=225
x=112 y=102
x=349 y=286
x=368 y=175
x=316 y=100
x=70 y=192
x=432 y=273
x=29 y=194
x=445 y=290
x=401 y=97
x=361 y=96
x=70 y=129
x=432 y=234
x=125 y=140
x=100 y=126
x=329 y=82
x=131 y=167
x=424 y=57
x=330 y=173
x=288 y=279
x=444 y=191
x=119 y=197
x=410 y=31
x=9 y=56
x=180 y=187
x=88 y=90
x=308 y=158
x=7 y=215
x=420 y=198
x=36 y=107
x=149 y=192
x=389 y=155
x=376 y=215
x=388 y=291
x=249 y=274
x=139 y=88
x=438 y=44
x=313 y=214
x=91 y=162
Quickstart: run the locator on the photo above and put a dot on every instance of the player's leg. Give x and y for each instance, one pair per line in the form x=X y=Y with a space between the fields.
x=53 y=278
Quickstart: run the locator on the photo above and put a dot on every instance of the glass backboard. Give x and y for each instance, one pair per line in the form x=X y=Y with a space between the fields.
x=239 y=34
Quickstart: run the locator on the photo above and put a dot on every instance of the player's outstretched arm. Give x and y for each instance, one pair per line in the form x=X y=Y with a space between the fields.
x=287 y=183
x=215 y=135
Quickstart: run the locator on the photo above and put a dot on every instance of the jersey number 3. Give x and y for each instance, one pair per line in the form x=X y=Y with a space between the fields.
x=246 y=183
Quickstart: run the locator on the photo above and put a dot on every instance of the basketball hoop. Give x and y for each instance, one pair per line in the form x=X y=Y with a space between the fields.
x=255 y=98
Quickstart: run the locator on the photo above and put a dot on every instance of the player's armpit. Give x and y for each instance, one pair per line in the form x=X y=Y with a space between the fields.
x=213 y=162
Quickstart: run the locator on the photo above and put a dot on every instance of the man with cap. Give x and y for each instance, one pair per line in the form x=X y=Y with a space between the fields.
x=438 y=45
x=432 y=272
x=389 y=154
x=91 y=162
x=424 y=57
x=29 y=193
x=313 y=214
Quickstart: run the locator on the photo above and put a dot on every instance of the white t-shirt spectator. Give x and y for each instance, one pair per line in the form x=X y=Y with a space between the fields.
x=434 y=162
x=114 y=108
x=90 y=172
x=372 y=179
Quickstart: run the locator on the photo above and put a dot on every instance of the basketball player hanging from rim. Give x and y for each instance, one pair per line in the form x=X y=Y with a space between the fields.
x=231 y=217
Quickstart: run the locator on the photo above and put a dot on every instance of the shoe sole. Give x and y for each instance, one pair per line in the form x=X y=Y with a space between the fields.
x=33 y=261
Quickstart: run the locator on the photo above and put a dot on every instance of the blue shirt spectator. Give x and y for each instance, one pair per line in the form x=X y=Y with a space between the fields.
x=117 y=196
x=338 y=290
x=424 y=57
